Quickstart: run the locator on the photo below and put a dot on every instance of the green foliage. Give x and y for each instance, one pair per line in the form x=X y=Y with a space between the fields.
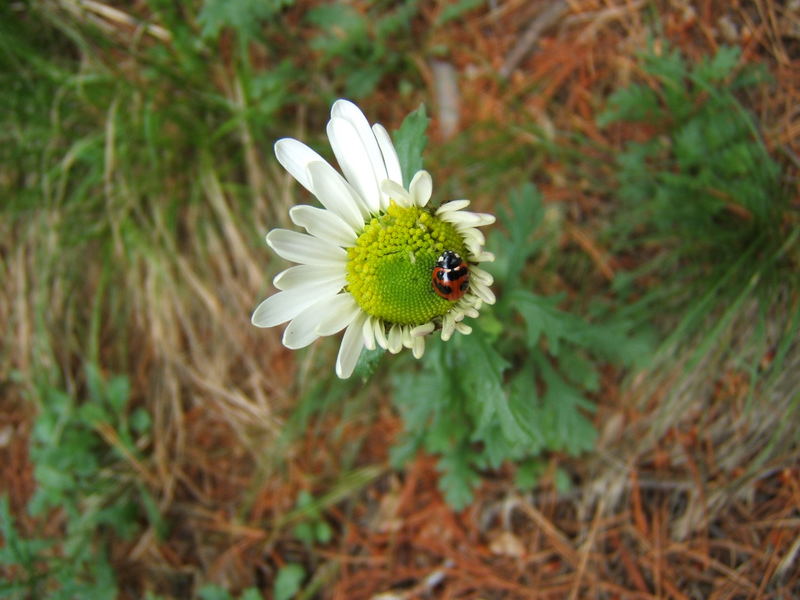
x=314 y=529
x=703 y=190
x=455 y=10
x=503 y=393
x=212 y=591
x=243 y=16
x=363 y=47
x=288 y=581
x=704 y=178
x=79 y=473
x=410 y=141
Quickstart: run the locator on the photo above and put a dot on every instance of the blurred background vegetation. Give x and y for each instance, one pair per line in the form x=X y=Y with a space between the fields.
x=633 y=394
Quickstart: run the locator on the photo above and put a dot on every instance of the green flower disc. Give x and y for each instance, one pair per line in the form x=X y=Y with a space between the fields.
x=389 y=269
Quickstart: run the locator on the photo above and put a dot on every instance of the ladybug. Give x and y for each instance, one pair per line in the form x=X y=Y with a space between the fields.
x=450 y=276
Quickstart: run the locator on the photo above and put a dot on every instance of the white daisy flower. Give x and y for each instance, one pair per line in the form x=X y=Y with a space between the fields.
x=376 y=261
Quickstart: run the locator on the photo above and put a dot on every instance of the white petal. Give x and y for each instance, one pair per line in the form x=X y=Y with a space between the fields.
x=470 y=219
x=486 y=219
x=422 y=330
x=348 y=111
x=463 y=328
x=368 y=332
x=452 y=205
x=394 y=191
x=483 y=257
x=389 y=153
x=460 y=217
x=324 y=317
x=323 y=224
x=479 y=274
x=448 y=326
x=476 y=235
x=470 y=311
x=335 y=194
x=355 y=161
x=305 y=249
x=473 y=245
x=303 y=328
x=405 y=332
x=395 y=339
x=418 y=349
x=309 y=275
x=483 y=292
x=295 y=157
x=349 y=351
x=380 y=334
x=338 y=314
x=284 y=306
x=421 y=188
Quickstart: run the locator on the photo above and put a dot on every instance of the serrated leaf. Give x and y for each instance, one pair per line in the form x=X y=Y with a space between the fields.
x=541 y=318
x=458 y=480
x=634 y=103
x=481 y=367
x=410 y=141
x=719 y=67
x=567 y=428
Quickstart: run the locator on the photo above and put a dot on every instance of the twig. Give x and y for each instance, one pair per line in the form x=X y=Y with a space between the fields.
x=525 y=44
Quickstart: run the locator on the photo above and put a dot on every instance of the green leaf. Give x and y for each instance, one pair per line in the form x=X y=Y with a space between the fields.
x=521 y=222
x=481 y=368
x=454 y=10
x=719 y=67
x=564 y=426
x=251 y=593
x=636 y=103
x=140 y=420
x=323 y=532
x=459 y=479
x=541 y=318
x=212 y=591
x=528 y=474
x=243 y=16
x=410 y=141
x=118 y=391
x=368 y=362
x=304 y=532
x=288 y=581
x=563 y=481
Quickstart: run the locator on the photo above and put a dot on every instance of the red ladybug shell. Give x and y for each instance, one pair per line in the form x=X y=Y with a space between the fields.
x=450 y=276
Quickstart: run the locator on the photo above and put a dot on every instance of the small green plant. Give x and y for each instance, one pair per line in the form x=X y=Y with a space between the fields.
x=702 y=185
x=314 y=529
x=81 y=452
x=362 y=47
x=242 y=16
x=703 y=179
x=705 y=208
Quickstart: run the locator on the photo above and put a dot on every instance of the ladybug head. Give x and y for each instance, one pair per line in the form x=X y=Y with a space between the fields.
x=449 y=260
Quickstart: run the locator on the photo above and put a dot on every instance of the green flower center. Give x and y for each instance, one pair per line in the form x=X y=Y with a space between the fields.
x=389 y=269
